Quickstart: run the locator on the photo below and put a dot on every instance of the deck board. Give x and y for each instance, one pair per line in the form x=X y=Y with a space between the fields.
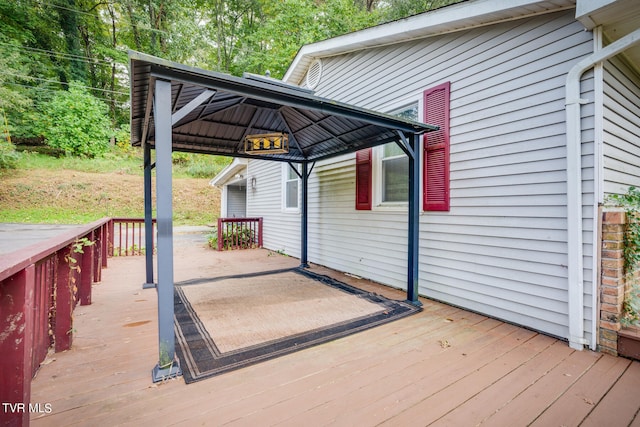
x=443 y=366
x=621 y=404
x=579 y=400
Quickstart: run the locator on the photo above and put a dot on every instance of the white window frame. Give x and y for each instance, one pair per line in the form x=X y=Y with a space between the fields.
x=286 y=179
x=377 y=158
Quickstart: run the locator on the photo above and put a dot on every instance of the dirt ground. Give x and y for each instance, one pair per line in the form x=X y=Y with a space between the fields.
x=101 y=194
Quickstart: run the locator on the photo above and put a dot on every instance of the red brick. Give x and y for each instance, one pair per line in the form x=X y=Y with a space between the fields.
x=613 y=263
x=615 y=228
x=616 y=237
x=607 y=347
x=608 y=335
x=609 y=308
x=612 y=281
x=612 y=245
x=611 y=290
x=611 y=326
x=610 y=272
x=612 y=299
x=614 y=217
x=616 y=253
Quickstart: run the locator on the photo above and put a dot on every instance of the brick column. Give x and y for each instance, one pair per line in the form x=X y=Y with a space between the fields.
x=612 y=282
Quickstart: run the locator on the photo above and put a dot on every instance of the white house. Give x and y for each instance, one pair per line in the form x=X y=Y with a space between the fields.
x=538 y=104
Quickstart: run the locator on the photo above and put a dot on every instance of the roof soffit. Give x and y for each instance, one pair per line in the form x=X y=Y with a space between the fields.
x=617 y=19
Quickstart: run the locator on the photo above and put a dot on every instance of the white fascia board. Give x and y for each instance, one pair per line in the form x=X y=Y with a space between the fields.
x=229 y=172
x=586 y=7
x=587 y=10
x=444 y=20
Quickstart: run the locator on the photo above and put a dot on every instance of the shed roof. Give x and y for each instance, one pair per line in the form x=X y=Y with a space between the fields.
x=213 y=112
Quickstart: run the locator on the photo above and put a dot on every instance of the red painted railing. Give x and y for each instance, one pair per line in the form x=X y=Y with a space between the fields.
x=239 y=233
x=127 y=236
x=39 y=287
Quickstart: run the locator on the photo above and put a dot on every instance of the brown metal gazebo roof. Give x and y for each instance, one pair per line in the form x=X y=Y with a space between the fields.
x=228 y=108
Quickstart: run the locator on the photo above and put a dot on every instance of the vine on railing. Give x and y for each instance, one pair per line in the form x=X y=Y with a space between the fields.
x=236 y=236
x=77 y=247
x=630 y=202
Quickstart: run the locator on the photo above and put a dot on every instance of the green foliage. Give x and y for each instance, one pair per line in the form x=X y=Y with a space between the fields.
x=198 y=165
x=123 y=141
x=234 y=236
x=631 y=305
x=76 y=122
x=114 y=161
x=630 y=202
x=398 y=9
x=280 y=28
x=78 y=246
x=212 y=240
x=47 y=44
x=8 y=155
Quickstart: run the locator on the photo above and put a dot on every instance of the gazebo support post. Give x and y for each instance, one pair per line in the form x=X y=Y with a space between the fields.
x=414 y=220
x=148 y=218
x=166 y=367
x=304 y=261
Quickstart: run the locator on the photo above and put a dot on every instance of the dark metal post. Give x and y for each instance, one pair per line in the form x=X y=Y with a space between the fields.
x=148 y=218
x=414 y=221
x=304 y=262
x=166 y=366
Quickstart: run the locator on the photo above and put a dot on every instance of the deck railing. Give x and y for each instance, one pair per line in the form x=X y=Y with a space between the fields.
x=40 y=286
x=239 y=233
x=127 y=236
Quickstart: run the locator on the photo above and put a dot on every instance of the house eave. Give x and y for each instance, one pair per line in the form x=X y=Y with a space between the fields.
x=229 y=172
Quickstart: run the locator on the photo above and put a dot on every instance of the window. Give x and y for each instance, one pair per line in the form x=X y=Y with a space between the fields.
x=394 y=168
x=382 y=173
x=392 y=180
x=291 y=186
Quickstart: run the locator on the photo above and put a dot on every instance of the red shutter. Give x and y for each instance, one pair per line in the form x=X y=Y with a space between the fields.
x=363 y=179
x=436 y=149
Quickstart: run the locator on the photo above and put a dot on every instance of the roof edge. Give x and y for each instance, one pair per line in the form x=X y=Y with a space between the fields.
x=455 y=17
x=238 y=164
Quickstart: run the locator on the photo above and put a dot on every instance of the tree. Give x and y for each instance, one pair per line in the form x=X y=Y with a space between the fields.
x=399 y=9
x=283 y=27
x=47 y=44
x=75 y=122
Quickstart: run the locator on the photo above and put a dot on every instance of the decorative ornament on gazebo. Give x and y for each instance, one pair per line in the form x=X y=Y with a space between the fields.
x=266 y=143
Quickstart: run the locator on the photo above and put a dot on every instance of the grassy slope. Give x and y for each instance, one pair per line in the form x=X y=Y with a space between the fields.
x=71 y=191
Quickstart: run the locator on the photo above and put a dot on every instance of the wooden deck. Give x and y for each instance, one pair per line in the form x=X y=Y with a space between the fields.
x=444 y=366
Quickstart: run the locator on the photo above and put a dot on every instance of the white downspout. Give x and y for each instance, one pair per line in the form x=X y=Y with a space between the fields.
x=598 y=186
x=574 y=183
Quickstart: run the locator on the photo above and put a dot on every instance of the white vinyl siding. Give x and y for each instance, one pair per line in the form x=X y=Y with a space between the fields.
x=621 y=128
x=281 y=228
x=236 y=201
x=501 y=250
x=365 y=243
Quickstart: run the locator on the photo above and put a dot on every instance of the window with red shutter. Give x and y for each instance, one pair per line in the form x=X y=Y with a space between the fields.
x=363 y=179
x=436 y=149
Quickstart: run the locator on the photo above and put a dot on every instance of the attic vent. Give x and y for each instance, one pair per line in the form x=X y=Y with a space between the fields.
x=314 y=74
